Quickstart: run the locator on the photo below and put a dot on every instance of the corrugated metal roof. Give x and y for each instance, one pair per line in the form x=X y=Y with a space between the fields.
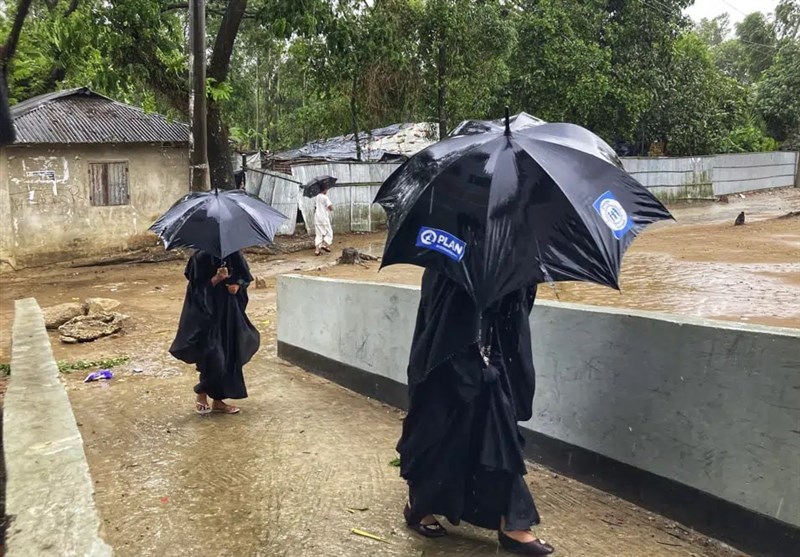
x=83 y=116
x=395 y=142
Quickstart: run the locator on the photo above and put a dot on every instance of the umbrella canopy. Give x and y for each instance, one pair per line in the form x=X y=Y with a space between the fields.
x=315 y=186
x=516 y=123
x=218 y=223
x=495 y=209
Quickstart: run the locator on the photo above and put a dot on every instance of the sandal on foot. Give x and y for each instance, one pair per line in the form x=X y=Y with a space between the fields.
x=227 y=409
x=202 y=408
x=536 y=547
x=434 y=530
x=326 y=248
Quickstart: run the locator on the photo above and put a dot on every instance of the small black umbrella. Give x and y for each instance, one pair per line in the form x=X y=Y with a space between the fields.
x=315 y=186
x=498 y=208
x=218 y=223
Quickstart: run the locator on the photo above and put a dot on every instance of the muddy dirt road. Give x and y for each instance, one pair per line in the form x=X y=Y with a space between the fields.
x=279 y=479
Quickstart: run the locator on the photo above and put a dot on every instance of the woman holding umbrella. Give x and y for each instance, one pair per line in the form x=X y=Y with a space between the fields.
x=214 y=332
x=471 y=378
x=491 y=212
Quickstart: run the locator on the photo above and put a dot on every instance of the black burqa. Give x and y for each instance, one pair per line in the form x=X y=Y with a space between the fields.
x=471 y=379
x=214 y=332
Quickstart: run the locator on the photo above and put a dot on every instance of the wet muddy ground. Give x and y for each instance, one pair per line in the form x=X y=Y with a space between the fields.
x=291 y=474
x=700 y=265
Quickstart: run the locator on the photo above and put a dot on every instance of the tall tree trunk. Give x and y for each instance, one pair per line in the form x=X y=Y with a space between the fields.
x=441 y=99
x=219 y=153
x=354 y=115
x=8 y=49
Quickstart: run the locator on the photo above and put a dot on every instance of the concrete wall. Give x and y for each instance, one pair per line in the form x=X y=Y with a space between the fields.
x=712 y=405
x=49 y=492
x=53 y=219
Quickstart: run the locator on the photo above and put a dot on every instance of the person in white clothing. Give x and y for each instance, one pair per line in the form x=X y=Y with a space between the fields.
x=322 y=222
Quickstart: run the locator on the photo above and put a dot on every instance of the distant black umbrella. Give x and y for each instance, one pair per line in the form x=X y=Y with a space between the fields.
x=218 y=223
x=315 y=186
x=501 y=208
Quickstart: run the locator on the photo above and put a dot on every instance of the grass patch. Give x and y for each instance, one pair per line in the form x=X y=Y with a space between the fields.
x=5 y=369
x=79 y=365
x=395 y=462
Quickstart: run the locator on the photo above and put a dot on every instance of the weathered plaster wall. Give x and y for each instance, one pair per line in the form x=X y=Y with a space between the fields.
x=6 y=255
x=48 y=212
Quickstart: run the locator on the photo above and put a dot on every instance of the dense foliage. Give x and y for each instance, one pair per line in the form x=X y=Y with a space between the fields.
x=282 y=72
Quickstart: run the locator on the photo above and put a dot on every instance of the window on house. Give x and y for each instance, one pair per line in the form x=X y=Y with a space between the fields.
x=108 y=182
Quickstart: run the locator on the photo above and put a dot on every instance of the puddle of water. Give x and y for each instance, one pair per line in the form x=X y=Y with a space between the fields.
x=659 y=282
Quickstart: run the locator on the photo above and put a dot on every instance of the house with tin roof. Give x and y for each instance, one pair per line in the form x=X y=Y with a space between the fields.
x=85 y=175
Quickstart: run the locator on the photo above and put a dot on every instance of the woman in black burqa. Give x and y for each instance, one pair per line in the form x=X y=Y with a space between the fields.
x=471 y=379
x=214 y=332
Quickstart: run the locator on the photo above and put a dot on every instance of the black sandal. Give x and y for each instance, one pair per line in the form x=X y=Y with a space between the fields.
x=434 y=530
x=536 y=547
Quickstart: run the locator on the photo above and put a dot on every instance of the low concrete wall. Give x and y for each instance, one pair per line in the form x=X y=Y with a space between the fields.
x=49 y=493
x=713 y=406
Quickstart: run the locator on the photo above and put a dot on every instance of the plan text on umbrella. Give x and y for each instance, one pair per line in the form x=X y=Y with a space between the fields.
x=441 y=241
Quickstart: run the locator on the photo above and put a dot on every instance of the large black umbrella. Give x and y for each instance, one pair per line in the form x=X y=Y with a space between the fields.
x=315 y=186
x=218 y=223
x=497 y=208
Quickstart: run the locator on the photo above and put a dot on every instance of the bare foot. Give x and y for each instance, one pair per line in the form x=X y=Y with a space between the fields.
x=221 y=408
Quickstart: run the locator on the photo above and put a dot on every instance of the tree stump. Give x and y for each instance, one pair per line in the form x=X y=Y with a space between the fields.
x=351 y=256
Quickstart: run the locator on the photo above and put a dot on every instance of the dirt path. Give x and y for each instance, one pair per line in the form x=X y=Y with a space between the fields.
x=304 y=464
x=169 y=483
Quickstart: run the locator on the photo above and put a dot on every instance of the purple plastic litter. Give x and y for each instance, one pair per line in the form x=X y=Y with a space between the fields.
x=98 y=375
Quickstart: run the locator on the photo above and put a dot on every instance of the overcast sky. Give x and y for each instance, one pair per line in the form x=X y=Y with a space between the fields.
x=736 y=8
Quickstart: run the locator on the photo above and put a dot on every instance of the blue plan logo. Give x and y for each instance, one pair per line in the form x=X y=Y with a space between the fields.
x=613 y=214
x=441 y=241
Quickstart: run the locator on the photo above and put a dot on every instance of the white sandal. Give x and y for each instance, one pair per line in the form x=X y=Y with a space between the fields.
x=202 y=409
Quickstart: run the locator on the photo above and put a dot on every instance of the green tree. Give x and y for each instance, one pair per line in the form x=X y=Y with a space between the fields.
x=559 y=69
x=778 y=99
x=787 y=20
x=757 y=38
x=714 y=31
x=641 y=38
x=464 y=51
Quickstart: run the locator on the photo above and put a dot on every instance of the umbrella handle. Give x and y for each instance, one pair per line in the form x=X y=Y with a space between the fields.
x=508 y=124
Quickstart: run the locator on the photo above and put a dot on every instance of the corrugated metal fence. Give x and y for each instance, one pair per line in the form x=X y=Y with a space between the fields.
x=703 y=177
x=279 y=190
x=670 y=179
